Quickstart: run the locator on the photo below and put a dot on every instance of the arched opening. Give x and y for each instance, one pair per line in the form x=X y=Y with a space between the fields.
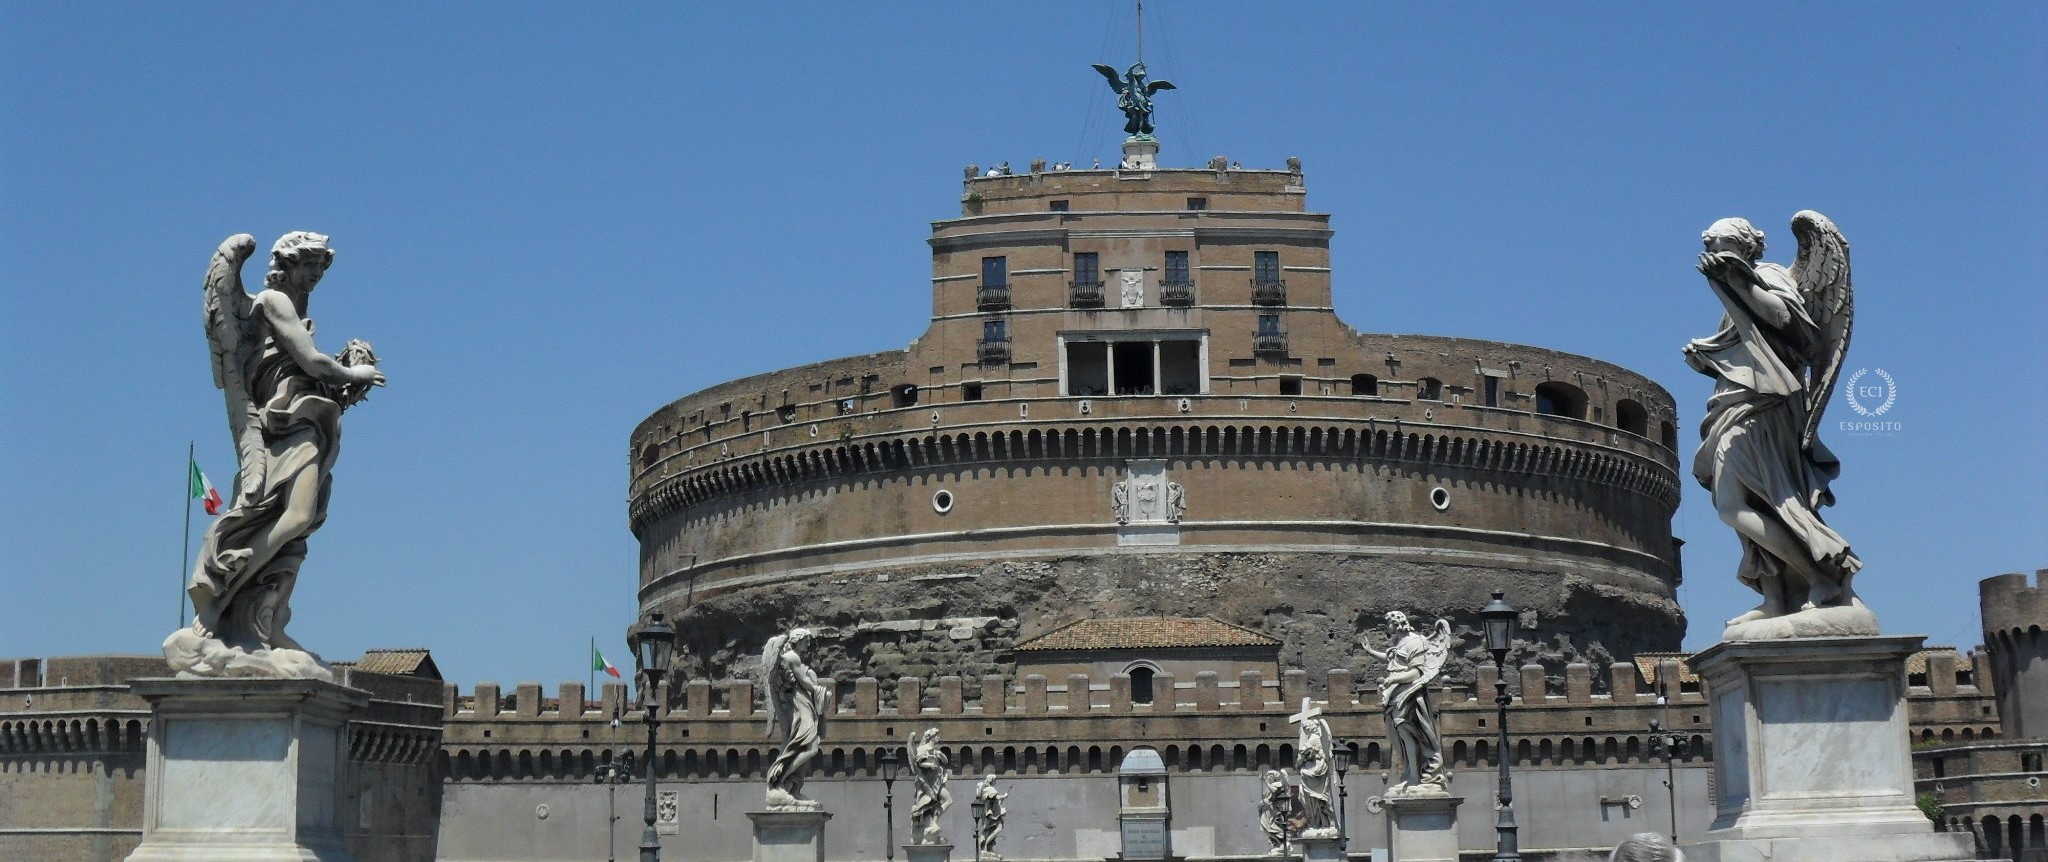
x=1630 y=416
x=1560 y=399
x=1141 y=684
x=1668 y=433
x=1365 y=384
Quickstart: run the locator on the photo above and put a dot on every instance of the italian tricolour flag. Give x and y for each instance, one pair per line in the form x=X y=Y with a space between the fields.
x=597 y=662
x=203 y=490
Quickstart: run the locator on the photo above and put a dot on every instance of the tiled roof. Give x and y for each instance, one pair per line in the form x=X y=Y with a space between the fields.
x=399 y=662
x=1146 y=633
x=1646 y=666
x=1917 y=662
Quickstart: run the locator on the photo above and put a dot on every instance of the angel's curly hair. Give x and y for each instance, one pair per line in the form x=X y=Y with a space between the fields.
x=1739 y=230
x=290 y=248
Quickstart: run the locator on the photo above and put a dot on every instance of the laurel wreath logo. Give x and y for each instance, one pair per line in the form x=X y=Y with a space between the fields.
x=1891 y=393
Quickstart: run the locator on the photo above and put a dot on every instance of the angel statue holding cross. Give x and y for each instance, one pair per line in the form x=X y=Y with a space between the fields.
x=1312 y=768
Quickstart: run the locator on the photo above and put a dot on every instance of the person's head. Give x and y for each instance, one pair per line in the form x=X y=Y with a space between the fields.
x=931 y=734
x=799 y=639
x=1397 y=623
x=298 y=259
x=1736 y=235
x=988 y=780
x=1646 y=847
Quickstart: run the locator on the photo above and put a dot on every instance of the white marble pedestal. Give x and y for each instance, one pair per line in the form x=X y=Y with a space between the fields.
x=245 y=770
x=1321 y=847
x=1811 y=762
x=1141 y=154
x=789 y=836
x=1422 y=828
x=927 y=852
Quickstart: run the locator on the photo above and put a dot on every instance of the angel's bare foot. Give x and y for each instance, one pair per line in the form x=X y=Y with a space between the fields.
x=1770 y=608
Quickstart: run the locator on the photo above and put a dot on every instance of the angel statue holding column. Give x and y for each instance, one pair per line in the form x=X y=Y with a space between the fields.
x=284 y=402
x=1775 y=360
x=1413 y=662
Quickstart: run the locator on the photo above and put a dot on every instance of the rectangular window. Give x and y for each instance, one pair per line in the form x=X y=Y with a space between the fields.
x=1088 y=368
x=995 y=330
x=1269 y=324
x=1265 y=266
x=1087 y=270
x=1290 y=386
x=1492 y=391
x=1056 y=206
x=995 y=272
x=970 y=392
x=1176 y=267
x=1198 y=203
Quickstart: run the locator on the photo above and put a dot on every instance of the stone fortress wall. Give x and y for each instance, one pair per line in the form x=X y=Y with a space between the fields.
x=1993 y=788
x=1328 y=475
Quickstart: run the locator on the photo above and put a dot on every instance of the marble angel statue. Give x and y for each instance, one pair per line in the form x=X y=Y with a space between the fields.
x=929 y=765
x=993 y=813
x=1775 y=360
x=797 y=705
x=1276 y=802
x=1414 y=661
x=284 y=401
x=1314 y=760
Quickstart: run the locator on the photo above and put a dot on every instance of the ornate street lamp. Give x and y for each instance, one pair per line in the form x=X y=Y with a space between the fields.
x=976 y=808
x=653 y=643
x=1499 y=619
x=890 y=763
x=1341 y=754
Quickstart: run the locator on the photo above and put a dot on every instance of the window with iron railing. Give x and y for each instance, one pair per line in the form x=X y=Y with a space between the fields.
x=1085 y=291
x=1267 y=286
x=1177 y=288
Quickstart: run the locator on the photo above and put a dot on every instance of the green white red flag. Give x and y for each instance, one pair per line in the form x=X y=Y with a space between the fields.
x=203 y=490
x=597 y=662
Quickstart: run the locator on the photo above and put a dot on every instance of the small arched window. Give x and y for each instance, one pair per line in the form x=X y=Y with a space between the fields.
x=1141 y=684
x=1365 y=384
x=1429 y=389
x=1669 y=434
x=1630 y=416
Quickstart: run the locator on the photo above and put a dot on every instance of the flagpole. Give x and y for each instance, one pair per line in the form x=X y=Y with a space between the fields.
x=185 y=561
x=592 y=663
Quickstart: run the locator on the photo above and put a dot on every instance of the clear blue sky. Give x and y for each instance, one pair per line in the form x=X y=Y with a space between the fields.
x=551 y=221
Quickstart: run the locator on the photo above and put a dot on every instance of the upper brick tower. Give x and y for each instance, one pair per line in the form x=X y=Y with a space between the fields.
x=2015 y=617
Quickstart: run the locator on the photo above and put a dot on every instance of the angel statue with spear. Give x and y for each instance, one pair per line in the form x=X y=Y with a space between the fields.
x=1774 y=361
x=284 y=400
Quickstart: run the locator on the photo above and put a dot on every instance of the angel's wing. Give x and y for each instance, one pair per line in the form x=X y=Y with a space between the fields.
x=228 y=308
x=1116 y=81
x=1822 y=272
x=1156 y=86
x=771 y=659
x=1439 y=649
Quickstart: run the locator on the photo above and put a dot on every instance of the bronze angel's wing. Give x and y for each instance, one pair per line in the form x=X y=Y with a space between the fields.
x=1439 y=649
x=1156 y=86
x=228 y=308
x=1116 y=81
x=1822 y=272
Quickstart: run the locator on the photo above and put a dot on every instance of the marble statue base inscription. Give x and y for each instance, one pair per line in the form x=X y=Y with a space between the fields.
x=927 y=852
x=245 y=770
x=1811 y=762
x=789 y=836
x=1422 y=827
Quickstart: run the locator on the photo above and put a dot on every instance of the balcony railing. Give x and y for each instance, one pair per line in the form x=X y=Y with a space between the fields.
x=1084 y=294
x=1177 y=293
x=992 y=297
x=1270 y=343
x=1273 y=292
x=994 y=351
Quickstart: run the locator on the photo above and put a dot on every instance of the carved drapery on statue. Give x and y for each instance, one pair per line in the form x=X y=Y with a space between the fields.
x=284 y=403
x=993 y=813
x=1775 y=360
x=929 y=766
x=1312 y=768
x=1414 y=661
x=797 y=705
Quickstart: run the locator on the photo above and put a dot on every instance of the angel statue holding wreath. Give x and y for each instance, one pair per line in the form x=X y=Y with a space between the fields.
x=284 y=401
x=1775 y=360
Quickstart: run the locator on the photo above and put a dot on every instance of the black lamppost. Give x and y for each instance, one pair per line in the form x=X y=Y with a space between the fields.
x=976 y=808
x=611 y=774
x=1499 y=618
x=1669 y=746
x=1342 y=755
x=653 y=642
x=890 y=764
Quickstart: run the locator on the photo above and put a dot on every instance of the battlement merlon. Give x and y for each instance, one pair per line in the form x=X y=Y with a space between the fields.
x=2010 y=604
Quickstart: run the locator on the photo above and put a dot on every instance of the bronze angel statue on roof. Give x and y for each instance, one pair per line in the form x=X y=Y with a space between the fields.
x=1134 y=97
x=284 y=400
x=1775 y=361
